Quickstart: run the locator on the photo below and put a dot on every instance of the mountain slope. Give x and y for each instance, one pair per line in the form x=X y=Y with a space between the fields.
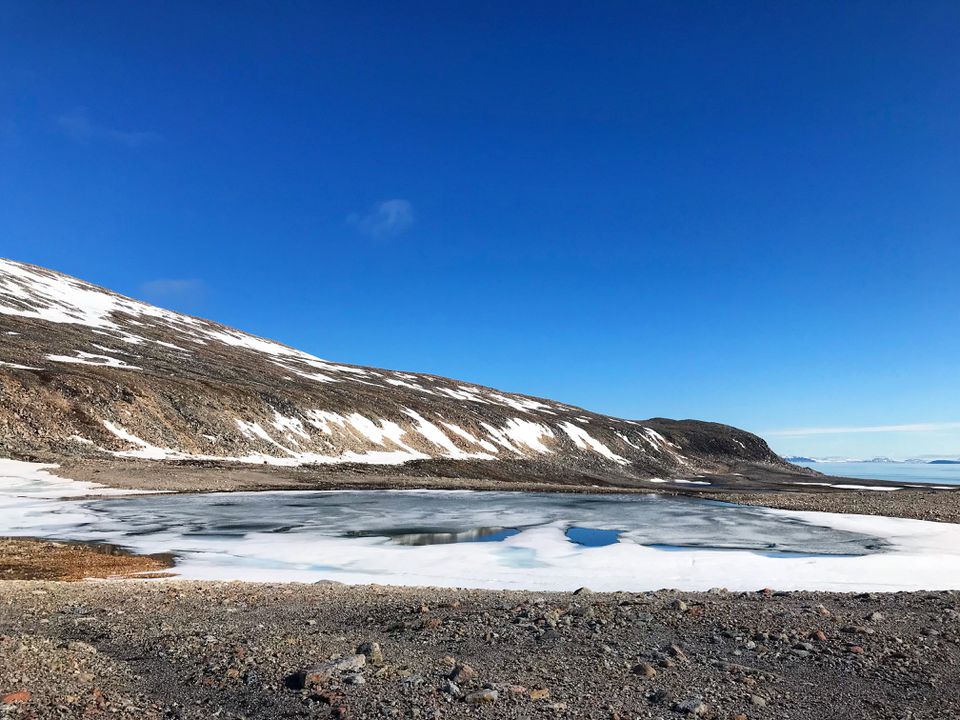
x=86 y=372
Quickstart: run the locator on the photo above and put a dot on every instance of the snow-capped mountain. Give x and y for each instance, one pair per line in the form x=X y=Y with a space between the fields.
x=87 y=372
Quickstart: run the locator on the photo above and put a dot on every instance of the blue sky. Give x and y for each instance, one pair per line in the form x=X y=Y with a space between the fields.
x=741 y=212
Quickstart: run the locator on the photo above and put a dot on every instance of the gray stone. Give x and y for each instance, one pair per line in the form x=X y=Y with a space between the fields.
x=318 y=675
x=371 y=651
x=483 y=697
x=645 y=669
x=463 y=673
x=693 y=706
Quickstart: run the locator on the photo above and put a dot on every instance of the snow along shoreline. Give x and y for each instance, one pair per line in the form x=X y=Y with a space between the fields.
x=920 y=555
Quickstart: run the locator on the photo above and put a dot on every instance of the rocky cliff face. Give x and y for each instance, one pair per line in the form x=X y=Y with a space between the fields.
x=87 y=372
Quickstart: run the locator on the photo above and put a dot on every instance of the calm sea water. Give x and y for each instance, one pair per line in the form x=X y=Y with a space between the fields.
x=898 y=472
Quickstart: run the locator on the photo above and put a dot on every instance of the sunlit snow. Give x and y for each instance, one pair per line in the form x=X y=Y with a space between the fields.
x=437 y=538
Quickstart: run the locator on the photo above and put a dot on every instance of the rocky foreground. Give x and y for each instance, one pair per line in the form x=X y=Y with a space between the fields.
x=171 y=649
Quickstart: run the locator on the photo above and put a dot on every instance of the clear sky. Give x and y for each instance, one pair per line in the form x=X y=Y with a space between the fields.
x=746 y=212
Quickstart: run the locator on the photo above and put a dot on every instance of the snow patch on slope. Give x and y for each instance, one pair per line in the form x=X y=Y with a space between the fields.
x=289 y=425
x=524 y=432
x=379 y=434
x=520 y=403
x=144 y=451
x=457 y=430
x=85 y=358
x=408 y=385
x=15 y=366
x=435 y=435
x=583 y=440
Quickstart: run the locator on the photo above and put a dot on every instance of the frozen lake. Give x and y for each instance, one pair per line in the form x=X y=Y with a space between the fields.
x=489 y=539
x=431 y=517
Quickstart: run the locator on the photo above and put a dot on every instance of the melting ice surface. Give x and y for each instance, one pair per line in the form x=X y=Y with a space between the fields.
x=492 y=539
x=430 y=517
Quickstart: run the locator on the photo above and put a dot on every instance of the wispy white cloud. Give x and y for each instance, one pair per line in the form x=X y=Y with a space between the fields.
x=78 y=126
x=177 y=293
x=386 y=218
x=845 y=430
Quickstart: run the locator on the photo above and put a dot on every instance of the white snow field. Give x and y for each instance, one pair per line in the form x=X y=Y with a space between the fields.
x=489 y=540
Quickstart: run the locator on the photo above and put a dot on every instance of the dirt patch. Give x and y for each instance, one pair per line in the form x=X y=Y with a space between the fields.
x=31 y=559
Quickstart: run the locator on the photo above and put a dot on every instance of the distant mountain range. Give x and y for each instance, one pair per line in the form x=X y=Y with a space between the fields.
x=879 y=460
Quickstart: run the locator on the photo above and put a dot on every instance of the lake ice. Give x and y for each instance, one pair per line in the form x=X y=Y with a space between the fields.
x=535 y=541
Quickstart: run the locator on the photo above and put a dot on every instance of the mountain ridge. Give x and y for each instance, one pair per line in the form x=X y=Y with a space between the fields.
x=87 y=372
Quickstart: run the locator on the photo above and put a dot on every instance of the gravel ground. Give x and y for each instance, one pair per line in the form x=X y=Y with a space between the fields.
x=937 y=505
x=175 y=649
x=184 y=476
